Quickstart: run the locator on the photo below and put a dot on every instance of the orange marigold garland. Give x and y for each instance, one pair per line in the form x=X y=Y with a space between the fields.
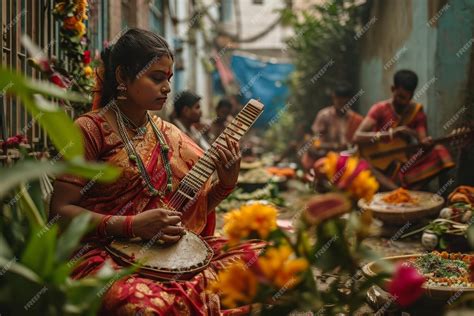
x=73 y=41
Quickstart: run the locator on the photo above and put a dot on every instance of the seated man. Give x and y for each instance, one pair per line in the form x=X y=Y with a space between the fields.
x=334 y=126
x=400 y=117
x=224 y=117
x=187 y=111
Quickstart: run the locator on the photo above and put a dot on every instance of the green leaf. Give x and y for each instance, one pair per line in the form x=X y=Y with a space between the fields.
x=86 y=294
x=5 y=250
x=70 y=238
x=31 y=170
x=39 y=254
x=470 y=235
x=28 y=207
x=26 y=86
x=36 y=195
x=19 y=269
x=66 y=136
x=26 y=171
x=99 y=172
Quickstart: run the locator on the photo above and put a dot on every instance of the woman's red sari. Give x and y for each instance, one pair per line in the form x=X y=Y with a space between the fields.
x=127 y=196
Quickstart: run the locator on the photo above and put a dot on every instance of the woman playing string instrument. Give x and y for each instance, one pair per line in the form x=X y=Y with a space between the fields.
x=154 y=156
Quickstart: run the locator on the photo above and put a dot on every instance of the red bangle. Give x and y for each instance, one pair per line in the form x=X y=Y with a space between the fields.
x=128 y=226
x=102 y=227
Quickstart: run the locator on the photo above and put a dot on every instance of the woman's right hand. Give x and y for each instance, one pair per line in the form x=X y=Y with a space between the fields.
x=158 y=224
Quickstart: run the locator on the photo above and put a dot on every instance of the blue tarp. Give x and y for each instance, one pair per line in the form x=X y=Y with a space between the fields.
x=264 y=81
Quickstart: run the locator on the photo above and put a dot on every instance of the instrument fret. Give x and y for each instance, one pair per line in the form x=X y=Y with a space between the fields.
x=204 y=167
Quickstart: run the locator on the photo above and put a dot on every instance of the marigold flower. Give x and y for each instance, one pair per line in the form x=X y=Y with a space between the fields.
x=70 y=22
x=279 y=268
x=255 y=218
x=236 y=285
x=88 y=71
x=351 y=174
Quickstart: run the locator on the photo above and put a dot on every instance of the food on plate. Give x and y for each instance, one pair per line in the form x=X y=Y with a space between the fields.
x=400 y=196
x=282 y=172
x=445 y=269
x=258 y=175
x=237 y=198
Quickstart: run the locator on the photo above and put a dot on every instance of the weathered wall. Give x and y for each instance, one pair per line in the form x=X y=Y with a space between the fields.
x=453 y=61
x=433 y=38
x=399 y=39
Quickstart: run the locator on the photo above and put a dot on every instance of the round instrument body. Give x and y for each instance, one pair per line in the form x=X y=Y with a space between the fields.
x=179 y=261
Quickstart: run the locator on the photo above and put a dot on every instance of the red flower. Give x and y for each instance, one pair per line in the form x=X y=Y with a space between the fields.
x=406 y=285
x=86 y=59
x=16 y=140
x=57 y=80
x=44 y=65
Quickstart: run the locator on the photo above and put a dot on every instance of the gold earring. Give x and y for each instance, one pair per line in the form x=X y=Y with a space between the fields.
x=121 y=92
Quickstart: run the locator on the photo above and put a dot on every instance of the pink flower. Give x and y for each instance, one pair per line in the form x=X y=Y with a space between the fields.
x=16 y=140
x=406 y=285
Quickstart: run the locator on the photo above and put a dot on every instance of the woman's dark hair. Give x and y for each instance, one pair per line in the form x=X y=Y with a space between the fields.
x=406 y=79
x=134 y=51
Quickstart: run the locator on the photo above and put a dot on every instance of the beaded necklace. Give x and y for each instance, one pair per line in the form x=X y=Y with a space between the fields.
x=134 y=156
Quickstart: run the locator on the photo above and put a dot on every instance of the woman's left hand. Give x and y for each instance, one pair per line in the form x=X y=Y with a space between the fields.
x=228 y=162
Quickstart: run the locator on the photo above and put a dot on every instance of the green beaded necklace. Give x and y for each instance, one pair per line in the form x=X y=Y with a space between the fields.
x=134 y=156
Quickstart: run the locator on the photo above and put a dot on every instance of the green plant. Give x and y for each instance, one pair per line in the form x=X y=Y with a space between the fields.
x=34 y=255
x=324 y=48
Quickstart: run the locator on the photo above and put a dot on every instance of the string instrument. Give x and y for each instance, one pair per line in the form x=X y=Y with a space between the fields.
x=383 y=155
x=191 y=254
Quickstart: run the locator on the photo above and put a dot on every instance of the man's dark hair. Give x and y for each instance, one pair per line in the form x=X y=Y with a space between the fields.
x=405 y=79
x=185 y=99
x=224 y=103
x=343 y=89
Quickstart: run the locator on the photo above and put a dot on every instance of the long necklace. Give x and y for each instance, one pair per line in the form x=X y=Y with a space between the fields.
x=140 y=130
x=134 y=156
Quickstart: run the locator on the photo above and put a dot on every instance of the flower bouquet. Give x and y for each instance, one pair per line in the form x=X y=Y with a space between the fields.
x=287 y=274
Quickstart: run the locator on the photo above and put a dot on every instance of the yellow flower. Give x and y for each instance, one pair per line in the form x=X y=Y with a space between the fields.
x=330 y=163
x=88 y=71
x=352 y=175
x=236 y=285
x=280 y=269
x=344 y=174
x=364 y=185
x=80 y=27
x=254 y=218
